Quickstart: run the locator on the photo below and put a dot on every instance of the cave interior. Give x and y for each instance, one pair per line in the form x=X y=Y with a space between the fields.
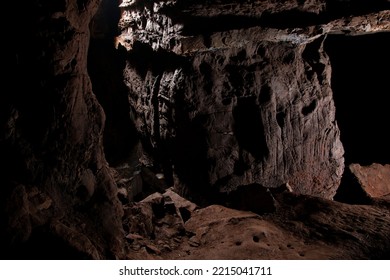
x=159 y=149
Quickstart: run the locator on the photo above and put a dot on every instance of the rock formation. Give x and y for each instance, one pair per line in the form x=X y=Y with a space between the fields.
x=58 y=197
x=115 y=143
x=231 y=93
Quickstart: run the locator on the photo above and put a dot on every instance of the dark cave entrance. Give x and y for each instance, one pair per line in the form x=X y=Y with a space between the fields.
x=361 y=88
x=105 y=68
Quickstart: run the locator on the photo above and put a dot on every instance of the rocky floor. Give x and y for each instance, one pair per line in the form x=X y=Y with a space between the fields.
x=166 y=226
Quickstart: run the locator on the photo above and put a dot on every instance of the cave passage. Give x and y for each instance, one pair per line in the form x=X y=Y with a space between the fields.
x=361 y=89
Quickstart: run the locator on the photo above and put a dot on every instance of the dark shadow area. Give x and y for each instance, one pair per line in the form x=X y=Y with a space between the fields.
x=253 y=197
x=105 y=68
x=249 y=128
x=190 y=157
x=339 y=8
x=43 y=245
x=350 y=190
x=361 y=88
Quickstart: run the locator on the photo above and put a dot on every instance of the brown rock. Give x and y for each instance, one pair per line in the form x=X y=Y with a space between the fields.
x=133 y=236
x=52 y=145
x=304 y=228
x=152 y=249
x=139 y=219
x=224 y=94
x=242 y=127
x=179 y=201
x=374 y=178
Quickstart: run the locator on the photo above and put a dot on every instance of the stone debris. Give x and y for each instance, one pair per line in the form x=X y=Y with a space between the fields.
x=374 y=178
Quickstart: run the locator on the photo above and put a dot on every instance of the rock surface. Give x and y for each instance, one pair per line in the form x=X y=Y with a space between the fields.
x=374 y=179
x=58 y=199
x=231 y=99
x=235 y=93
x=300 y=228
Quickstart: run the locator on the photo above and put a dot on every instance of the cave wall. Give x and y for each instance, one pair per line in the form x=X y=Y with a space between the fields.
x=224 y=93
x=235 y=115
x=58 y=198
x=230 y=93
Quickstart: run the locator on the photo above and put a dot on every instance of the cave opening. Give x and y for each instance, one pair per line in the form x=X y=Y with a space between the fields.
x=105 y=68
x=361 y=88
x=360 y=84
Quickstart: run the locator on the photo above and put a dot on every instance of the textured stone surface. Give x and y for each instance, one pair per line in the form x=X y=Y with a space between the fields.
x=240 y=106
x=156 y=224
x=337 y=231
x=232 y=93
x=57 y=197
x=172 y=24
x=226 y=95
x=374 y=179
x=301 y=228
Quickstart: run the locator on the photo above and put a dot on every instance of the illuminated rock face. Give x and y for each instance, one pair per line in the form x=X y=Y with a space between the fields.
x=374 y=179
x=237 y=106
x=238 y=92
x=224 y=94
x=261 y=112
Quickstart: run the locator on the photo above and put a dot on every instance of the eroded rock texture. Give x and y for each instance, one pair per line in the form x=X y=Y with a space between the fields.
x=374 y=179
x=236 y=103
x=230 y=98
x=58 y=199
x=300 y=227
x=232 y=93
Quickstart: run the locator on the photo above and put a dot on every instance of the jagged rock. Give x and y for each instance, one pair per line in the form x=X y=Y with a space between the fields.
x=157 y=222
x=234 y=115
x=133 y=236
x=138 y=219
x=185 y=206
x=223 y=94
x=130 y=180
x=374 y=178
x=232 y=94
x=176 y=25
